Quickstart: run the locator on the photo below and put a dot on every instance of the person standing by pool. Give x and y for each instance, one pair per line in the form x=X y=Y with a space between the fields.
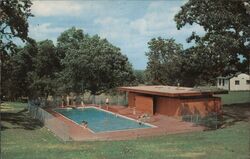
x=67 y=99
x=107 y=102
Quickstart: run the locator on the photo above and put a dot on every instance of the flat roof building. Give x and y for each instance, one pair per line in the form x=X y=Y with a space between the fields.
x=172 y=101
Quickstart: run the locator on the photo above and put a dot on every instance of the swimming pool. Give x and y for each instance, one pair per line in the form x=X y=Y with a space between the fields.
x=101 y=121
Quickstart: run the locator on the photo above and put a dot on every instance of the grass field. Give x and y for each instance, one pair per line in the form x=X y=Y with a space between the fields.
x=235 y=97
x=25 y=138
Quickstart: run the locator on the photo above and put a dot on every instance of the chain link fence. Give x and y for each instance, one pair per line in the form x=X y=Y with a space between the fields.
x=71 y=100
x=210 y=121
x=55 y=125
x=101 y=100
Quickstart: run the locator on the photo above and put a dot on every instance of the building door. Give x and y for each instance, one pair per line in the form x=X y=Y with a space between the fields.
x=144 y=104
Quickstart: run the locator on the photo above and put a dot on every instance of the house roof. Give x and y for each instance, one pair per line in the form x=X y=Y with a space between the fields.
x=230 y=76
x=170 y=91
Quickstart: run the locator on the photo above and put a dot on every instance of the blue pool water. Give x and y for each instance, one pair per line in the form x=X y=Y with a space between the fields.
x=100 y=121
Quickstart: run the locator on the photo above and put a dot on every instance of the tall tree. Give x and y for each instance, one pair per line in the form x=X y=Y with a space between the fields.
x=33 y=70
x=227 y=27
x=70 y=39
x=22 y=62
x=46 y=64
x=69 y=42
x=95 y=66
x=164 y=61
x=13 y=24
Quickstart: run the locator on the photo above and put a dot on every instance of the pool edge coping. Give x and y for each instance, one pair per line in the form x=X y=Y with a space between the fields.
x=95 y=107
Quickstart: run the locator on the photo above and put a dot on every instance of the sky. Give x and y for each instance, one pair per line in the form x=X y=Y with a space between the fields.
x=128 y=25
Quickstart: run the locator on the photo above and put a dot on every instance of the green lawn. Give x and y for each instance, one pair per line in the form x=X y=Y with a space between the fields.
x=235 y=97
x=23 y=137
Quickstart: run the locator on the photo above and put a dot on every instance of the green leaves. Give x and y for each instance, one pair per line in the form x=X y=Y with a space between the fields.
x=227 y=24
x=94 y=65
x=13 y=24
x=13 y=15
x=34 y=70
x=164 y=61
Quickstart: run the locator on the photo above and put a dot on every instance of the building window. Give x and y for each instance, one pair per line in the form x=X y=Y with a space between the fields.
x=223 y=82
x=219 y=82
x=248 y=81
x=237 y=82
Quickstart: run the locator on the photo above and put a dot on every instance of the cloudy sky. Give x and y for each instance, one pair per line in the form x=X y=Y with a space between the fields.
x=128 y=25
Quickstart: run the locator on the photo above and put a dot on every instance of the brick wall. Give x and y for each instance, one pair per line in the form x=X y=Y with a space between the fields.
x=179 y=107
x=144 y=104
x=175 y=106
x=131 y=99
x=167 y=106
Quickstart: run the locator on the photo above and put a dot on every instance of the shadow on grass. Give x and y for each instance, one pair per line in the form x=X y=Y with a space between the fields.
x=19 y=120
x=234 y=113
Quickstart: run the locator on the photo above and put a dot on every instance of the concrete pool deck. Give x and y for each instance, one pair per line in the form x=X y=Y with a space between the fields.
x=164 y=125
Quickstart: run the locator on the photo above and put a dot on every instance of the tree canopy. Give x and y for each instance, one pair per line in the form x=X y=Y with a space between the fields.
x=92 y=63
x=140 y=76
x=33 y=70
x=13 y=25
x=13 y=21
x=46 y=64
x=227 y=27
x=164 y=61
x=78 y=63
x=223 y=49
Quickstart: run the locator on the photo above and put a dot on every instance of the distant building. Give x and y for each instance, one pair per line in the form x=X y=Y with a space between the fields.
x=237 y=82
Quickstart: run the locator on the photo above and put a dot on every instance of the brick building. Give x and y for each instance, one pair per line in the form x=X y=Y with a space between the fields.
x=172 y=101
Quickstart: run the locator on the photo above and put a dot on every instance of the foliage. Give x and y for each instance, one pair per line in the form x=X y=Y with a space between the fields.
x=21 y=63
x=201 y=67
x=226 y=23
x=46 y=64
x=68 y=42
x=79 y=63
x=92 y=63
x=69 y=39
x=13 y=25
x=223 y=50
x=14 y=15
x=140 y=76
x=164 y=61
x=33 y=69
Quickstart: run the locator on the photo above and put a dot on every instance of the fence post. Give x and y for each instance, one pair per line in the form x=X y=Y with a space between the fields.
x=216 y=121
x=117 y=96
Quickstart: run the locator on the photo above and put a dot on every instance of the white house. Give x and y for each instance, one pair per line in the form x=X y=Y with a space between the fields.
x=239 y=81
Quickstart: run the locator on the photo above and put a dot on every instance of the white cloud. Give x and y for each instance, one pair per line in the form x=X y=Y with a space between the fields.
x=45 y=31
x=46 y=28
x=67 y=8
x=157 y=20
x=125 y=24
x=114 y=28
x=119 y=33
